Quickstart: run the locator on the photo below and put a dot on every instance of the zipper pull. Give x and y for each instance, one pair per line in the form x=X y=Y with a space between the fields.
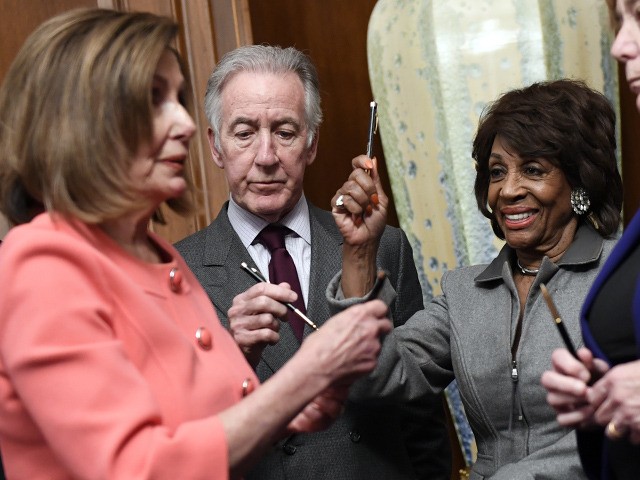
x=514 y=371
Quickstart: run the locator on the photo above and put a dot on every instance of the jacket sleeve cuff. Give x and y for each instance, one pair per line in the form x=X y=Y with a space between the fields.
x=337 y=302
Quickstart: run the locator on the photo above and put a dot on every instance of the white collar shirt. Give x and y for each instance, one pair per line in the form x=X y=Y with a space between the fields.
x=298 y=242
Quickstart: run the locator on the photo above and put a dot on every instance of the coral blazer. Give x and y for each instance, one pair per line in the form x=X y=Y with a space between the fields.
x=110 y=367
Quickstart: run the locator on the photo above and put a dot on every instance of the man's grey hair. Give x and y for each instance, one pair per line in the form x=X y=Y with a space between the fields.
x=264 y=59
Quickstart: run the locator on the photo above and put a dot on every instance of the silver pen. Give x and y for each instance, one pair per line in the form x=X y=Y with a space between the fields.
x=373 y=128
x=259 y=278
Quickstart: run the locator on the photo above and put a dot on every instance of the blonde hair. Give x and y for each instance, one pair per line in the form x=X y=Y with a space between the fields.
x=75 y=108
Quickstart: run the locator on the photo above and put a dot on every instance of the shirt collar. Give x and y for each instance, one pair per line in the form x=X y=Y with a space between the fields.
x=248 y=225
x=586 y=248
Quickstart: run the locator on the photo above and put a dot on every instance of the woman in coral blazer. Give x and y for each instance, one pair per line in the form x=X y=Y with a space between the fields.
x=113 y=363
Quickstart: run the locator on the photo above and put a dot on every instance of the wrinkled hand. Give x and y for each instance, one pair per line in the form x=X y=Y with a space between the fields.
x=254 y=318
x=616 y=397
x=567 y=386
x=348 y=344
x=363 y=216
x=322 y=411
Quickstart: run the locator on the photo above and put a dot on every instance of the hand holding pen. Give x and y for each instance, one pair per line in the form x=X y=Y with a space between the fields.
x=257 y=276
x=566 y=339
x=254 y=317
x=572 y=372
x=368 y=165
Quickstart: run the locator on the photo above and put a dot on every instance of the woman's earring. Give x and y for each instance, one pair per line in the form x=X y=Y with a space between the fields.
x=580 y=201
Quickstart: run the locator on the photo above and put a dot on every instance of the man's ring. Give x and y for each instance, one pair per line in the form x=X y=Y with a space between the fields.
x=340 y=201
x=614 y=432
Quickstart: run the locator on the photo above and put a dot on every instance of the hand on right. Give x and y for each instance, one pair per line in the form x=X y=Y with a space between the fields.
x=567 y=385
x=347 y=345
x=617 y=398
x=254 y=318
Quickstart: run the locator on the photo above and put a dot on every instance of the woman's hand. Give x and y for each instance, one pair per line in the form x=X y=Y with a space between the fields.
x=347 y=345
x=617 y=399
x=360 y=212
x=307 y=393
x=363 y=214
x=345 y=348
x=567 y=386
x=322 y=411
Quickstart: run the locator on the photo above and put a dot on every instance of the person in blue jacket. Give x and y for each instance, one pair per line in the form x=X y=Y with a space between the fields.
x=599 y=392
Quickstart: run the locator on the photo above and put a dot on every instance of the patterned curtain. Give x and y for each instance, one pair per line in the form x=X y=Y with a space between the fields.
x=434 y=65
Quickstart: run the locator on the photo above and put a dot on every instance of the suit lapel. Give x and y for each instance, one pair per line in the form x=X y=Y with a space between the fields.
x=326 y=261
x=224 y=252
x=223 y=278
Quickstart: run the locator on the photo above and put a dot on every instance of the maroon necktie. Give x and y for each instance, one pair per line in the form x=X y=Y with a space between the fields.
x=282 y=269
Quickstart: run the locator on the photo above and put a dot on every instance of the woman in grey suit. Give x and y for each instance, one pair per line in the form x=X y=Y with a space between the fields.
x=548 y=182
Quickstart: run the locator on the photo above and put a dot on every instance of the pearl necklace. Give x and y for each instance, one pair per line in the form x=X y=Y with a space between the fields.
x=527 y=271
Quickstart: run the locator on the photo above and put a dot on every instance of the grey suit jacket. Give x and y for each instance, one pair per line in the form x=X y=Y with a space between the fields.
x=367 y=441
x=467 y=333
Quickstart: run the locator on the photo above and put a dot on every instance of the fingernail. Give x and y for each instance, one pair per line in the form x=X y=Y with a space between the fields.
x=358 y=221
x=374 y=199
x=368 y=164
x=369 y=210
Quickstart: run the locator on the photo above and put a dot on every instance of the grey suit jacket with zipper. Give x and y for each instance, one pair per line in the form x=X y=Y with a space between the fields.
x=467 y=334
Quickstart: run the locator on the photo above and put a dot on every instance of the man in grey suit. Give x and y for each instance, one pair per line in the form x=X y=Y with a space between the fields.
x=263 y=105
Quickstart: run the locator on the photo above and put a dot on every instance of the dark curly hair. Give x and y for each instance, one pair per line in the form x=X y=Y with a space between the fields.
x=567 y=123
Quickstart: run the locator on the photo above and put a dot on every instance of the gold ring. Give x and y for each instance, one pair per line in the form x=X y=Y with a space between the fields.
x=614 y=432
x=340 y=201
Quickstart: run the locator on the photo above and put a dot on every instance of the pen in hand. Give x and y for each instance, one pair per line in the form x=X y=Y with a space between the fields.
x=558 y=321
x=257 y=276
x=373 y=128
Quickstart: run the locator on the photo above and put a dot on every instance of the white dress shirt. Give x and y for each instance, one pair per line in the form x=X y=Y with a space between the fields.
x=298 y=242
